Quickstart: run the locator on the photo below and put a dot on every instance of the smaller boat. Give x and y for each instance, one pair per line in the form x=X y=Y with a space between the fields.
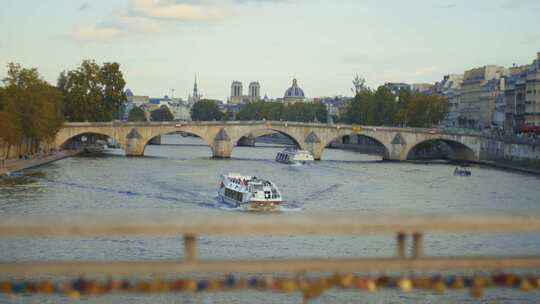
x=15 y=174
x=461 y=171
x=249 y=192
x=293 y=156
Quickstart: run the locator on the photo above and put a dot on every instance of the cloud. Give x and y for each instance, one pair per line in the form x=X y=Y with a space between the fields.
x=96 y=33
x=84 y=6
x=517 y=4
x=173 y=10
x=422 y=71
x=153 y=16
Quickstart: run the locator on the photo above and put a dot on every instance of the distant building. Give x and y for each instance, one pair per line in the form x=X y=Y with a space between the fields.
x=136 y=99
x=512 y=102
x=294 y=94
x=421 y=87
x=397 y=87
x=450 y=87
x=479 y=92
x=237 y=94
x=532 y=96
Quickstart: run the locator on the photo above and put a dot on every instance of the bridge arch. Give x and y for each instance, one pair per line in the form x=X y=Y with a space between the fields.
x=63 y=140
x=380 y=148
x=456 y=149
x=174 y=131
x=266 y=130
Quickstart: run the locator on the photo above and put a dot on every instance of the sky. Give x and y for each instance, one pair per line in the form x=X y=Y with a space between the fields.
x=162 y=44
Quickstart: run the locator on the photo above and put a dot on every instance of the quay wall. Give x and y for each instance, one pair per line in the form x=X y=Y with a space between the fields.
x=517 y=154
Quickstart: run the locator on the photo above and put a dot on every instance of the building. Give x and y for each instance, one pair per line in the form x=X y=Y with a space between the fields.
x=294 y=94
x=180 y=109
x=421 y=87
x=238 y=97
x=479 y=92
x=397 y=87
x=532 y=94
x=450 y=87
x=513 y=101
x=136 y=99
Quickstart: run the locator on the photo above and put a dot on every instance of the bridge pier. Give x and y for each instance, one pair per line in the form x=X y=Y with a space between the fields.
x=134 y=144
x=222 y=146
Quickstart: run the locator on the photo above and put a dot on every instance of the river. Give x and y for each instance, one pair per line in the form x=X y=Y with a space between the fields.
x=181 y=178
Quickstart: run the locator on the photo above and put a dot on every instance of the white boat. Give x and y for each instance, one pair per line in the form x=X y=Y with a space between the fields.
x=249 y=192
x=293 y=156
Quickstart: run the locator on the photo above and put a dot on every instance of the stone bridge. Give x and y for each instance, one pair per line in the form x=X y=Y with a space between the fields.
x=222 y=137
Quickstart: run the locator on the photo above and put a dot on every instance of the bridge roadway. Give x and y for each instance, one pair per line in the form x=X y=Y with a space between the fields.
x=222 y=137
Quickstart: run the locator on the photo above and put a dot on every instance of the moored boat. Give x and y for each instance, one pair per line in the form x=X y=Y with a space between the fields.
x=293 y=156
x=249 y=192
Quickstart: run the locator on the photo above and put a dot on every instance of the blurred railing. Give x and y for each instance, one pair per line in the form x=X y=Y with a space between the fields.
x=190 y=227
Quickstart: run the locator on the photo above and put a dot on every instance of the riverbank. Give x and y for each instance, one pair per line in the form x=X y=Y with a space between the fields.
x=523 y=166
x=12 y=165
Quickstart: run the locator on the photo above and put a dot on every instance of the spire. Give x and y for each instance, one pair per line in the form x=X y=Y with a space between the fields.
x=195 y=97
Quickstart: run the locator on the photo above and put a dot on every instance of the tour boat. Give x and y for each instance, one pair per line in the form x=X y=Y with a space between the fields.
x=462 y=172
x=249 y=192
x=293 y=156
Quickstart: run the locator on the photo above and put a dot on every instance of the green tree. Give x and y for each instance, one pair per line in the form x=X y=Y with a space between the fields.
x=93 y=93
x=162 y=114
x=420 y=110
x=136 y=114
x=206 y=110
x=31 y=109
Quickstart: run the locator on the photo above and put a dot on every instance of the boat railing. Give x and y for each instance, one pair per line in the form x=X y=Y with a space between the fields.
x=403 y=228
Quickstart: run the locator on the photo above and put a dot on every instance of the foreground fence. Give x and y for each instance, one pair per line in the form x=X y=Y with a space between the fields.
x=407 y=258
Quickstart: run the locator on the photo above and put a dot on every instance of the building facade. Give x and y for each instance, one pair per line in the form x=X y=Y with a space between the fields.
x=479 y=91
x=532 y=94
x=237 y=93
x=450 y=87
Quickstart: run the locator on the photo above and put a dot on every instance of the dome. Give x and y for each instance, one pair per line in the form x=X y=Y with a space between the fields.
x=129 y=93
x=295 y=91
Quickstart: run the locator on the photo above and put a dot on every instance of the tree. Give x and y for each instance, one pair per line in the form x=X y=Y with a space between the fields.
x=30 y=108
x=93 y=93
x=136 y=114
x=162 y=114
x=359 y=85
x=420 y=110
x=206 y=110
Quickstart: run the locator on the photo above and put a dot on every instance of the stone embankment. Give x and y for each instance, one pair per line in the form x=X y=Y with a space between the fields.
x=12 y=165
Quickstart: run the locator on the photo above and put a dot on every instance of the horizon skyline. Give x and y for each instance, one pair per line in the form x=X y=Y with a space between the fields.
x=162 y=44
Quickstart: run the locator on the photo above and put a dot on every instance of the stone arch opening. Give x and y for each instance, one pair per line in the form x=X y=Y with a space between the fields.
x=178 y=138
x=269 y=142
x=441 y=149
x=274 y=136
x=86 y=139
x=359 y=143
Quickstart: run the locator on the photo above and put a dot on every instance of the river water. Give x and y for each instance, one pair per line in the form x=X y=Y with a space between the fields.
x=181 y=178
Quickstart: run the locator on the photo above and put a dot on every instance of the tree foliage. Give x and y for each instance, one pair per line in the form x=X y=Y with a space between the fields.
x=304 y=112
x=93 y=92
x=30 y=108
x=381 y=107
x=136 y=114
x=420 y=110
x=162 y=114
x=206 y=110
